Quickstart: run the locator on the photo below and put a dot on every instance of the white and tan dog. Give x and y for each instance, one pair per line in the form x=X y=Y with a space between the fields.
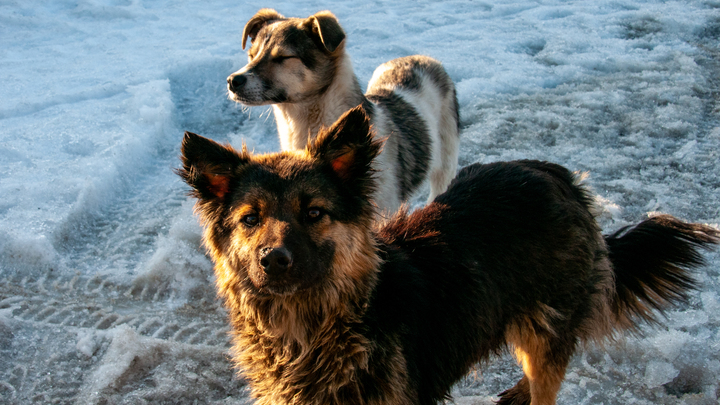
x=300 y=67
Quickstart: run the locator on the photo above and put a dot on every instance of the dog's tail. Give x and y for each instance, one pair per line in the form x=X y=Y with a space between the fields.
x=652 y=263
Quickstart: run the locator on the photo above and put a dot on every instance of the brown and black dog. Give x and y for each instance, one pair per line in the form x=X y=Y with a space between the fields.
x=325 y=309
x=301 y=68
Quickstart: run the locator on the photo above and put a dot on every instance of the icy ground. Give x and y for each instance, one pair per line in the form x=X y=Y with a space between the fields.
x=105 y=295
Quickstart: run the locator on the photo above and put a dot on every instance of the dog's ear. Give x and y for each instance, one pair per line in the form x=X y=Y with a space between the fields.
x=325 y=27
x=258 y=21
x=207 y=166
x=348 y=147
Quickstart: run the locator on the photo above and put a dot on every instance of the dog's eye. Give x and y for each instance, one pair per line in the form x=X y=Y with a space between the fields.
x=251 y=219
x=314 y=214
x=280 y=59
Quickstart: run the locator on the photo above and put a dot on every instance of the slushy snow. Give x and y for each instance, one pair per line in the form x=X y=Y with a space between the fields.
x=106 y=295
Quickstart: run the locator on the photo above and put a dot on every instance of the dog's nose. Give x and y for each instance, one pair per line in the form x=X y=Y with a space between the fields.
x=236 y=81
x=275 y=261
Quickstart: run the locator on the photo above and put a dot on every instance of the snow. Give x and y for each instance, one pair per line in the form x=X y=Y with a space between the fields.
x=105 y=293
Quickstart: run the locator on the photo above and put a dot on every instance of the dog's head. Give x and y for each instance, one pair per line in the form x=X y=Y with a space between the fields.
x=290 y=59
x=285 y=222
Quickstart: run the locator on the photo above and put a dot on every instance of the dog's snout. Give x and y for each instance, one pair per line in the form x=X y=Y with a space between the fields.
x=275 y=261
x=236 y=81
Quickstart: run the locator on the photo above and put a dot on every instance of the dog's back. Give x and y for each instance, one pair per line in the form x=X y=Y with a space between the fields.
x=414 y=99
x=511 y=254
x=489 y=257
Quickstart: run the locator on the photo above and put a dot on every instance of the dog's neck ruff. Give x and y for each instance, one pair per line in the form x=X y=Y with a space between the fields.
x=305 y=348
x=300 y=121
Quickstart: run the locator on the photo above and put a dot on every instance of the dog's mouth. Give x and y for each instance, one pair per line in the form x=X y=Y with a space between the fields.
x=282 y=290
x=279 y=288
x=256 y=98
x=253 y=98
x=285 y=285
x=276 y=286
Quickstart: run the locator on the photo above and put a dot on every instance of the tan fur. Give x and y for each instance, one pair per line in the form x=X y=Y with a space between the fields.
x=306 y=99
x=545 y=378
x=533 y=337
x=276 y=341
x=531 y=351
x=300 y=122
x=395 y=388
x=327 y=310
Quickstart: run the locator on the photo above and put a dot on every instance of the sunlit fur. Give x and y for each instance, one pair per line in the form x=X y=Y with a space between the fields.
x=509 y=257
x=301 y=68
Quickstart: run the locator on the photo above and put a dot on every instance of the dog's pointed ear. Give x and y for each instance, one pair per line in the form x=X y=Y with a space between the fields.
x=326 y=27
x=258 y=21
x=207 y=166
x=348 y=147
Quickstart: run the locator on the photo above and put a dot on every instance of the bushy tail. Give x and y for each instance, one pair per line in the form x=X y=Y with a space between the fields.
x=652 y=263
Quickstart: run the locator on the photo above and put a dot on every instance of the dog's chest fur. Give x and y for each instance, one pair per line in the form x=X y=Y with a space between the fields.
x=301 y=121
x=319 y=371
x=296 y=356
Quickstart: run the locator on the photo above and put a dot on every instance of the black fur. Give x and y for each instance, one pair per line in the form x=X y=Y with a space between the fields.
x=510 y=254
x=500 y=240
x=646 y=259
x=411 y=140
x=408 y=73
x=503 y=238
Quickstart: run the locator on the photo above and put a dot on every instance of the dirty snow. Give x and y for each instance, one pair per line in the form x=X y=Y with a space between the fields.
x=105 y=294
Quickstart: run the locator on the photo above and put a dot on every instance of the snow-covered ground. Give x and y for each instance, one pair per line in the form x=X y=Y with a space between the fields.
x=105 y=294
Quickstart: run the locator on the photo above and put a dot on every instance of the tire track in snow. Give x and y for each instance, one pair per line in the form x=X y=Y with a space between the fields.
x=99 y=304
x=90 y=313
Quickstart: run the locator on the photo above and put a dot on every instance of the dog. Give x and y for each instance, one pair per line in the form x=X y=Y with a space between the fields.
x=326 y=309
x=300 y=67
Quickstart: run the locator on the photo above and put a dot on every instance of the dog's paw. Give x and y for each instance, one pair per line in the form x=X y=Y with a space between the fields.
x=517 y=395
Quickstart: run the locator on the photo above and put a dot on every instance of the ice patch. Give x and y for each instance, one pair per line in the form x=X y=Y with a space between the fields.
x=711 y=304
x=688 y=150
x=609 y=211
x=178 y=263
x=159 y=370
x=87 y=343
x=687 y=319
x=200 y=95
x=128 y=354
x=25 y=254
x=670 y=343
x=658 y=373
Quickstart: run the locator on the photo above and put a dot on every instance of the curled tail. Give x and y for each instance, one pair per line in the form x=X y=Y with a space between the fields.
x=652 y=263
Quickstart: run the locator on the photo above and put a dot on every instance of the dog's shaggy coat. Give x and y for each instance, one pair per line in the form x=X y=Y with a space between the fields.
x=299 y=65
x=325 y=310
